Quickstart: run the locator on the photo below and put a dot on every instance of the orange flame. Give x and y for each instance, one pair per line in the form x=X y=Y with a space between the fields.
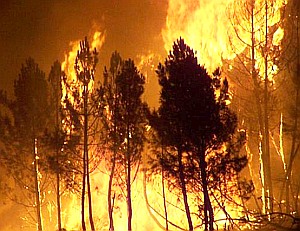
x=68 y=64
x=221 y=30
x=207 y=27
x=68 y=67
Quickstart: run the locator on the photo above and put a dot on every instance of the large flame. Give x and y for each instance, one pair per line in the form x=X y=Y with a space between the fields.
x=211 y=26
x=204 y=26
x=207 y=28
x=147 y=196
x=221 y=30
x=67 y=66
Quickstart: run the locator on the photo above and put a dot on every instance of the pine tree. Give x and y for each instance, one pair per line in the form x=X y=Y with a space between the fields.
x=124 y=119
x=191 y=122
x=85 y=65
x=61 y=145
x=108 y=107
x=27 y=124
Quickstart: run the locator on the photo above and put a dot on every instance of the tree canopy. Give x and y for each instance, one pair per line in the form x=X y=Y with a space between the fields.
x=192 y=122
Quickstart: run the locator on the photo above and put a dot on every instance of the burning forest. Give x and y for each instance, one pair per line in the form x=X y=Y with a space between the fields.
x=201 y=136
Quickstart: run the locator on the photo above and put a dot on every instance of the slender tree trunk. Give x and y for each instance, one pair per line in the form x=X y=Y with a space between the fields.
x=86 y=154
x=58 y=202
x=57 y=122
x=90 y=199
x=208 y=210
x=111 y=176
x=294 y=150
x=84 y=162
x=261 y=117
x=266 y=155
x=129 y=205
x=83 y=196
x=37 y=188
x=184 y=192
x=163 y=192
x=287 y=185
x=109 y=197
x=165 y=202
x=128 y=181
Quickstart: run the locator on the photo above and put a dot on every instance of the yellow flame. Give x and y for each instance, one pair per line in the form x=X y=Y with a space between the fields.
x=69 y=62
x=207 y=26
x=98 y=40
x=146 y=64
x=221 y=30
x=281 y=143
x=278 y=36
x=280 y=150
x=204 y=26
x=68 y=67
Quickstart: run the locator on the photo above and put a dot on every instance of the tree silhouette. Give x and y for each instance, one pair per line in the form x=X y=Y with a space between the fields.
x=85 y=65
x=76 y=115
x=55 y=100
x=61 y=145
x=192 y=121
x=109 y=105
x=24 y=132
x=124 y=120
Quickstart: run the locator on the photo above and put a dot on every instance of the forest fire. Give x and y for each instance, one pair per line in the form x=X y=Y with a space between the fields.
x=224 y=32
x=68 y=64
x=213 y=47
x=231 y=33
x=200 y=160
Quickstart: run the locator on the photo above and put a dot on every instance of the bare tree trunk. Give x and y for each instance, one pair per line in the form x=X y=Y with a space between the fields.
x=184 y=192
x=208 y=210
x=37 y=188
x=294 y=151
x=164 y=197
x=90 y=199
x=262 y=118
x=266 y=155
x=57 y=147
x=58 y=201
x=111 y=176
x=128 y=181
x=129 y=205
x=86 y=154
x=84 y=165
x=109 y=197
x=165 y=203
x=83 y=196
